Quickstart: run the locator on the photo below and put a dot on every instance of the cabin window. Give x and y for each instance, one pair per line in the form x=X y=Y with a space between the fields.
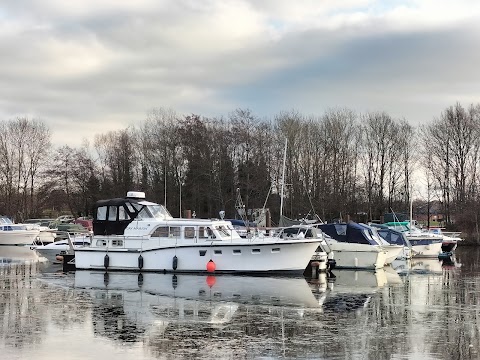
x=275 y=250
x=255 y=251
x=122 y=214
x=161 y=231
x=210 y=233
x=341 y=229
x=396 y=239
x=102 y=213
x=112 y=213
x=202 y=234
x=102 y=243
x=117 y=243
x=202 y=252
x=224 y=231
x=237 y=252
x=189 y=232
x=130 y=207
x=174 y=231
x=217 y=252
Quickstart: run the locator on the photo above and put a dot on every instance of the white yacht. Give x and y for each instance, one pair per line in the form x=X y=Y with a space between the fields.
x=51 y=250
x=354 y=246
x=134 y=234
x=424 y=244
x=16 y=234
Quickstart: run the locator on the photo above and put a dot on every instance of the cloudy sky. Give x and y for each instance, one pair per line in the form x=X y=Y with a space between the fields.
x=91 y=66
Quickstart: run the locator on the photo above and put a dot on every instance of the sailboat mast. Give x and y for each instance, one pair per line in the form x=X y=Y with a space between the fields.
x=283 y=179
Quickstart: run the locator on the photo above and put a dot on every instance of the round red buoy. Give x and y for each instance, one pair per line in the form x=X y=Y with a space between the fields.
x=211 y=266
x=211 y=280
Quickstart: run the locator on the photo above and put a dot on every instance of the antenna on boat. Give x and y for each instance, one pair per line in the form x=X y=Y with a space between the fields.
x=283 y=182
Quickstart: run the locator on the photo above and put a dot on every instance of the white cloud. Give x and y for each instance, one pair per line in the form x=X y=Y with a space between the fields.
x=107 y=63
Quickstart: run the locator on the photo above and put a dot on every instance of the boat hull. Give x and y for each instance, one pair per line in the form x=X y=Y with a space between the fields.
x=431 y=249
x=20 y=237
x=290 y=257
x=357 y=256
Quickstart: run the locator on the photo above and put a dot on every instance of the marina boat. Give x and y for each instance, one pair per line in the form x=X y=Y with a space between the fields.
x=47 y=230
x=134 y=234
x=395 y=238
x=17 y=234
x=323 y=257
x=51 y=250
x=355 y=248
x=424 y=244
x=450 y=239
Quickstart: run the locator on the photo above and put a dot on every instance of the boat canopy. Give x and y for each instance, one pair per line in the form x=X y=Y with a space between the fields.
x=111 y=217
x=392 y=236
x=350 y=232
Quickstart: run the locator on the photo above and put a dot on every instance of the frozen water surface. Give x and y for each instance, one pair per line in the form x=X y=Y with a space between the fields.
x=425 y=309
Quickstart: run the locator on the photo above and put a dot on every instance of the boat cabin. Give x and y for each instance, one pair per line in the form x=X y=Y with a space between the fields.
x=350 y=232
x=111 y=217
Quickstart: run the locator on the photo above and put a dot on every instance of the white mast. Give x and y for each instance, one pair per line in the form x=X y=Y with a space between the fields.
x=283 y=179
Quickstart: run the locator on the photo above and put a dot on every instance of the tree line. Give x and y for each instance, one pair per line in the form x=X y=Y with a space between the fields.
x=339 y=165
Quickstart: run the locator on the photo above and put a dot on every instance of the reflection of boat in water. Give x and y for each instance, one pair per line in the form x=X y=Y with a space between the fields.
x=240 y=289
x=351 y=290
x=19 y=254
x=149 y=303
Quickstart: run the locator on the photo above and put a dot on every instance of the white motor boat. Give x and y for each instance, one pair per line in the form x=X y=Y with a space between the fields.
x=424 y=244
x=134 y=234
x=354 y=246
x=51 y=250
x=16 y=234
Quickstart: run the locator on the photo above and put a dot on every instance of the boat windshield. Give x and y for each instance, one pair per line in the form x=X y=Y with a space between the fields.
x=154 y=212
x=5 y=220
x=224 y=231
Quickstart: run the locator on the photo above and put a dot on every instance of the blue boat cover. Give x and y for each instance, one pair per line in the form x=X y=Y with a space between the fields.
x=350 y=232
x=391 y=236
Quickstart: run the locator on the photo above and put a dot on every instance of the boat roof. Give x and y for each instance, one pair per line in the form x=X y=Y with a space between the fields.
x=350 y=232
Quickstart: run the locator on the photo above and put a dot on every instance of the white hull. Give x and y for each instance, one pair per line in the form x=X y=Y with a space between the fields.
x=236 y=256
x=429 y=250
x=18 y=237
x=357 y=256
x=392 y=252
x=46 y=237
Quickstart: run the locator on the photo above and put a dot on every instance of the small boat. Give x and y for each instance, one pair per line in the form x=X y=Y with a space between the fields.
x=355 y=247
x=395 y=238
x=134 y=234
x=51 y=250
x=424 y=244
x=450 y=239
x=16 y=234
x=47 y=229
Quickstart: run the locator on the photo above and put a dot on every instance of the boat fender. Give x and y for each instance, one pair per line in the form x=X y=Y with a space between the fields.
x=174 y=281
x=59 y=258
x=175 y=262
x=140 y=262
x=106 y=261
x=211 y=266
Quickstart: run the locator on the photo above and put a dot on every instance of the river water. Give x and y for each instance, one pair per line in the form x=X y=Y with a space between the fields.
x=426 y=309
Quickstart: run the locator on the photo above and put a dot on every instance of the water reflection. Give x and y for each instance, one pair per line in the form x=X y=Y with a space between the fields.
x=431 y=311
